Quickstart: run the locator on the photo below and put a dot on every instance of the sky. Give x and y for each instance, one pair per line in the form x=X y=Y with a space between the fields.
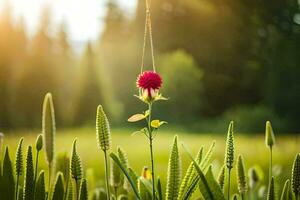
x=83 y=18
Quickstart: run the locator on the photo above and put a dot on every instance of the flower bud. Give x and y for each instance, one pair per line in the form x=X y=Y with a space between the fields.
x=39 y=142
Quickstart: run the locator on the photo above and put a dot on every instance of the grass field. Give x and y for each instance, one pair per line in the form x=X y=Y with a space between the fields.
x=252 y=147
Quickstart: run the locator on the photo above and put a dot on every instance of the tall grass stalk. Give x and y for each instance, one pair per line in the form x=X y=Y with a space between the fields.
x=19 y=165
x=229 y=154
x=104 y=140
x=38 y=147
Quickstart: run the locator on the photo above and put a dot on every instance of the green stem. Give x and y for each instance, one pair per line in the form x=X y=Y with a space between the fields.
x=151 y=150
x=228 y=197
x=49 y=180
x=242 y=195
x=270 y=165
x=17 y=186
x=36 y=166
x=106 y=176
x=77 y=189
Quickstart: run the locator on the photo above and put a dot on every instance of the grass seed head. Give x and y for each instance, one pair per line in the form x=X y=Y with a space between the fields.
x=103 y=129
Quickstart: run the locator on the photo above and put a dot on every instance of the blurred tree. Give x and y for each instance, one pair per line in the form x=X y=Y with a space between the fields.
x=180 y=76
x=89 y=93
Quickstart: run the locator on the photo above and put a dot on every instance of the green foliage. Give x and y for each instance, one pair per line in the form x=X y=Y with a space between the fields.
x=58 y=189
x=128 y=173
x=174 y=172
x=19 y=159
x=83 y=193
x=296 y=176
x=116 y=175
x=7 y=183
x=270 y=138
x=76 y=167
x=124 y=160
x=143 y=187
x=208 y=186
x=271 y=190
x=39 y=142
x=102 y=129
x=49 y=128
x=286 y=195
x=241 y=175
x=28 y=193
x=190 y=179
x=40 y=191
x=62 y=164
x=190 y=75
x=229 y=152
x=221 y=177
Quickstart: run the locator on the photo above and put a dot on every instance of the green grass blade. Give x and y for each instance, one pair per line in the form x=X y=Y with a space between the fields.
x=187 y=184
x=145 y=188
x=123 y=168
x=58 y=190
x=40 y=191
x=28 y=192
x=159 y=189
x=174 y=172
x=285 y=195
x=209 y=187
x=7 y=180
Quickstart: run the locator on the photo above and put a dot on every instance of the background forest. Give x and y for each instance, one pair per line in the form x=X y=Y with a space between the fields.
x=237 y=60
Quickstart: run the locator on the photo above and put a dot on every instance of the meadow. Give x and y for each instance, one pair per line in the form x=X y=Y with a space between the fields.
x=251 y=146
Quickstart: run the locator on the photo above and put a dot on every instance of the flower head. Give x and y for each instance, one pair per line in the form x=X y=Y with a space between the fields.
x=149 y=82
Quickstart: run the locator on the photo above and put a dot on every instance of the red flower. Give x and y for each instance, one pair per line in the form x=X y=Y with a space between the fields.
x=149 y=80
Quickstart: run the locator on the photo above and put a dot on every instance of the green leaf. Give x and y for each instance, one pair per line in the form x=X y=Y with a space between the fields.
x=58 y=190
x=29 y=177
x=40 y=192
x=143 y=130
x=7 y=179
x=123 y=168
x=209 y=187
x=136 y=118
x=190 y=180
x=145 y=188
x=285 y=195
x=49 y=128
x=174 y=172
x=103 y=129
